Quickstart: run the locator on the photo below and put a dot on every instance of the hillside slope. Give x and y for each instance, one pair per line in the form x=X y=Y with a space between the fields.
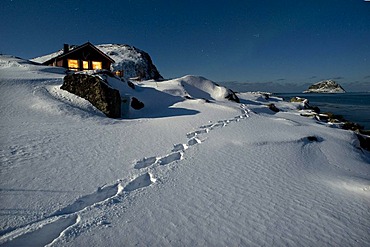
x=186 y=171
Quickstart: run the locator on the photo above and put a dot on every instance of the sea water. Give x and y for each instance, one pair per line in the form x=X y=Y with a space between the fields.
x=354 y=107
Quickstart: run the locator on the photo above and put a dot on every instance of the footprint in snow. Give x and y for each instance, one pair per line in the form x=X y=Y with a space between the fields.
x=191 y=134
x=171 y=158
x=145 y=162
x=83 y=202
x=217 y=125
x=180 y=147
x=198 y=132
x=206 y=126
x=139 y=182
x=203 y=131
x=45 y=233
x=193 y=141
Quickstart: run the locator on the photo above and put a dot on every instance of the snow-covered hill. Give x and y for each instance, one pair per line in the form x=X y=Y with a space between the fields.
x=134 y=62
x=183 y=171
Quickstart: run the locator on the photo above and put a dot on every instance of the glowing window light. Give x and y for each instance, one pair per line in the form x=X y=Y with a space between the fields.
x=97 y=65
x=73 y=64
x=85 y=64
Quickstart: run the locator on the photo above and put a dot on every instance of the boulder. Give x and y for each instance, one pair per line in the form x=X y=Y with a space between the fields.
x=273 y=107
x=96 y=91
x=364 y=141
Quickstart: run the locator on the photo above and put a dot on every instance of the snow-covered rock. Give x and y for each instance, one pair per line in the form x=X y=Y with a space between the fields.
x=326 y=86
x=134 y=62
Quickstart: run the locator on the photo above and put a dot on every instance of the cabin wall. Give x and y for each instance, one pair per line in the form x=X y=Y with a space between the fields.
x=87 y=54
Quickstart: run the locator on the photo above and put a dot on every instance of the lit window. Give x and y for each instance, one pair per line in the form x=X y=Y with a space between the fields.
x=96 y=65
x=73 y=64
x=119 y=73
x=85 y=64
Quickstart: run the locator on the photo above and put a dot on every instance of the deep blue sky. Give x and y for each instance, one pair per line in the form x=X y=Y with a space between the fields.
x=281 y=41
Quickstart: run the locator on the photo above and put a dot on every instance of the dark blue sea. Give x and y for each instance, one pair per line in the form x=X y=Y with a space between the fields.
x=354 y=107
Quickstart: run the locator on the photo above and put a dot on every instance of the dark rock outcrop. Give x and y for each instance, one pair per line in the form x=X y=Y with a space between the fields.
x=136 y=104
x=273 y=107
x=304 y=104
x=232 y=96
x=151 y=71
x=96 y=91
x=312 y=138
x=364 y=141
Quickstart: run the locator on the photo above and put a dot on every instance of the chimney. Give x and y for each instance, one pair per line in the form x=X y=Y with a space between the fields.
x=65 y=48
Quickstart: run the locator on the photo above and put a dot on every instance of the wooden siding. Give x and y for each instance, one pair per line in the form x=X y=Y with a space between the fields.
x=86 y=52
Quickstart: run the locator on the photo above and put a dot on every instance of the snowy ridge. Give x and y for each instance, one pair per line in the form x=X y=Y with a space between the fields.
x=219 y=172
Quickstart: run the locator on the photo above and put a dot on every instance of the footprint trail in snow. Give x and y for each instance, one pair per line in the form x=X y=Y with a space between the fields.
x=51 y=228
x=178 y=151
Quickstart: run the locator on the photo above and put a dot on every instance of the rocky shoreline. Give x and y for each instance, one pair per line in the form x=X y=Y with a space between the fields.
x=337 y=120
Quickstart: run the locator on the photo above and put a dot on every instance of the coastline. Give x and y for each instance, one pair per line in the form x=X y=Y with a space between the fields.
x=362 y=132
x=349 y=107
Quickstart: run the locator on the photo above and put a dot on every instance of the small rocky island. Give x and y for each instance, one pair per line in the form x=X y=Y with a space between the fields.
x=326 y=86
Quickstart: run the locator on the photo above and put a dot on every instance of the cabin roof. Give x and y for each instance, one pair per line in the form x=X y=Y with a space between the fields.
x=77 y=49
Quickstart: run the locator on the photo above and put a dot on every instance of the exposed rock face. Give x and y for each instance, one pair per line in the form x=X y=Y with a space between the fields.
x=96 y=91
x=327 y=86
x=364 y=141
x=232 y=96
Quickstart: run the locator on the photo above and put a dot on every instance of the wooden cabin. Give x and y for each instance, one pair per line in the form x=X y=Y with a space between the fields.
x=83 y=57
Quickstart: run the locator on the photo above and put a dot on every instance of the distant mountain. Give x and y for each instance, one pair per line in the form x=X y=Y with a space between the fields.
x=326 y=86
x=133 y=61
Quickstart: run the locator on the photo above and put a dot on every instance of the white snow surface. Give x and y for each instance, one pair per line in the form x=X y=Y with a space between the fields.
x=180 y=172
